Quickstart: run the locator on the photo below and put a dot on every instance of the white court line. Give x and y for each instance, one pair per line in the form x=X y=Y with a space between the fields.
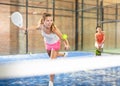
x=62 y=65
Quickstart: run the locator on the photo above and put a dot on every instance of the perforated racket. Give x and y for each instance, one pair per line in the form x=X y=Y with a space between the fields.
x=17 y=19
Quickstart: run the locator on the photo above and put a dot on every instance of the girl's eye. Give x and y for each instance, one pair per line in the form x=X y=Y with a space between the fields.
x=47 y=20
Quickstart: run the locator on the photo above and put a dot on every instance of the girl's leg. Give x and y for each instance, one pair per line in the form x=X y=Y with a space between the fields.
x=53 y=55
x=97 y=52
x=96 y=45
x=49 y=52
x=60 y=54
x=102 y=47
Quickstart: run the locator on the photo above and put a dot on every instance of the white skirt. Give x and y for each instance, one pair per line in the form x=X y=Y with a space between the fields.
x=96 y=45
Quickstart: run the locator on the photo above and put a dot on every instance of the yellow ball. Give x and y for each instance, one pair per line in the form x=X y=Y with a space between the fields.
x=64 y=36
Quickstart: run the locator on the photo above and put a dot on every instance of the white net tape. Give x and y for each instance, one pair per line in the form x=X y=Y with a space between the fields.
x=61 y=65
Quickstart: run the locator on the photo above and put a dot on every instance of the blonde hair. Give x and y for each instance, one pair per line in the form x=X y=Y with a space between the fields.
x=41 y=21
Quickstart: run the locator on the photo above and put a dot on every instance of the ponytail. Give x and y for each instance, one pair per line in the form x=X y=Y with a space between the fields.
x=53 y=27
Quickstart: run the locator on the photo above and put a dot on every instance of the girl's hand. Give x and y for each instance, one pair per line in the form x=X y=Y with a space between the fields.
x=100 y=45
x=67 y=47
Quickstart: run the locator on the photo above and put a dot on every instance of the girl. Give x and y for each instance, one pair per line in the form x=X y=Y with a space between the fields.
x=52 y=38
x=99 y=38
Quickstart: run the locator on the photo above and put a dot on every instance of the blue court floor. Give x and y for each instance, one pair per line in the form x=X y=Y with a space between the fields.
x=98 y=77
x=12 y=58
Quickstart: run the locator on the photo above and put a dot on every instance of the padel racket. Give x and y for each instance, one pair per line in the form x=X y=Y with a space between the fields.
x=17 y=19
x=98 y=52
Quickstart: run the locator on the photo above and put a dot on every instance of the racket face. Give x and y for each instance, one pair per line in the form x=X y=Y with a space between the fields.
x=98 y=52
x=17 y=19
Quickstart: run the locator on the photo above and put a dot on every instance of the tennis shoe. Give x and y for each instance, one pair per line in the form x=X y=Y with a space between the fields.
x=65 y=54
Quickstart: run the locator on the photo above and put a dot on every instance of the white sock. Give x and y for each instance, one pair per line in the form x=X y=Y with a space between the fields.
x=51 y=83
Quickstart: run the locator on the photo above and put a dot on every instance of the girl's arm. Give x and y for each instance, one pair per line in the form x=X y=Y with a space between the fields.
x=103 y=37
x=58 y=32
x=39 y=27
x=33 y=28
x=96 y=38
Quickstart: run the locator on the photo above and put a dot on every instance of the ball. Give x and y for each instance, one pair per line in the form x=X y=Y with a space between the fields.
x=64 y=36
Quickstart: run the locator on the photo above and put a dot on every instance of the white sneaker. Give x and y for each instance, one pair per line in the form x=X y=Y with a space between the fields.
x=65 y=54
x=51 y=83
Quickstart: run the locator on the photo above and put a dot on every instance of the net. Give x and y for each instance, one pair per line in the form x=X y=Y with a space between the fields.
x=36 y=67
